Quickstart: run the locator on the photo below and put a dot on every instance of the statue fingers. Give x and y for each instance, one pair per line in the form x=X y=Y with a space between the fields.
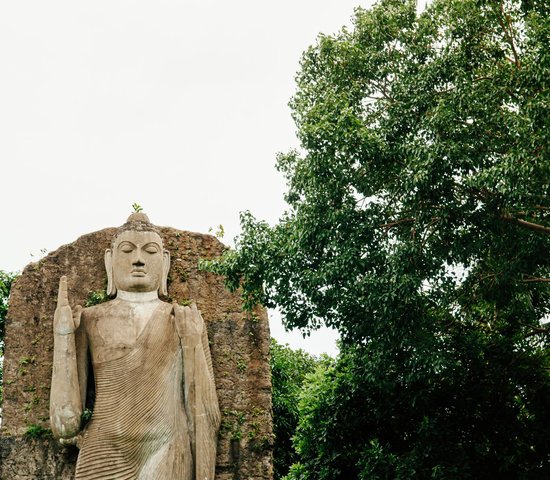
x=196 y=319
x=63 y=322
x=179 y=318
x=188 y=314
x=179 y=312
x=195 y=310
x=188 y=319
x=62 y=296
x=63 y=318
x=192 y=319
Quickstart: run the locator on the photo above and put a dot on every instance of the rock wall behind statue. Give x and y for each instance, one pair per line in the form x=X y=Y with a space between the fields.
x=239 y=344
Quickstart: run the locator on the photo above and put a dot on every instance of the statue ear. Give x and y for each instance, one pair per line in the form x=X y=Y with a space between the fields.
x=165 y=271
x=111 y=288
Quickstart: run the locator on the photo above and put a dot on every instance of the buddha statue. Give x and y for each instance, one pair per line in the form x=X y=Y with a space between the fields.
x=156 y=413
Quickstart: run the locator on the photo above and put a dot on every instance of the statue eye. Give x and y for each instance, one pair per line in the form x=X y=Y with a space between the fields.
x=151 y=249
x=126 y=248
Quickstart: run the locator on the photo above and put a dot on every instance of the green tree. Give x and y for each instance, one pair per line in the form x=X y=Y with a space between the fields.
x=418 y=226
x=289 y=369
x=6 y=280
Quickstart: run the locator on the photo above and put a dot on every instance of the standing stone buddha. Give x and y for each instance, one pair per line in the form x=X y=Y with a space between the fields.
x=156 y=413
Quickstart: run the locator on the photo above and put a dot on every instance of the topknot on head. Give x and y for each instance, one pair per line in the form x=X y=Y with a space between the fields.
x=138 y=217
x=137 y=222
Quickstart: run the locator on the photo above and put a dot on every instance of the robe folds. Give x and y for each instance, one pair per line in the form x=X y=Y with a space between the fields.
x=156 y=414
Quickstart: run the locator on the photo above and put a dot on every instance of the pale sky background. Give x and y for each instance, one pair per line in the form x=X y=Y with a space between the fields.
x=178 y=106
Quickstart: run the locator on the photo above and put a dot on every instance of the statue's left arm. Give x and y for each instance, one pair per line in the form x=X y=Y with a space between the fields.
x=200 y=389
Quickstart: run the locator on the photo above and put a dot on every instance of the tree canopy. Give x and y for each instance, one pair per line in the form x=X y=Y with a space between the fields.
x=419 y=226
x=289 y=369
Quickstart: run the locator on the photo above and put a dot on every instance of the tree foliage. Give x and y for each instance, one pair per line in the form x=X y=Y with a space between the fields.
x=418 y=226
x=289 y=369
x=6 y=280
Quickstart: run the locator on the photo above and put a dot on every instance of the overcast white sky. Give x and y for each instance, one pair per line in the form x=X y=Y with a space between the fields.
x=180 y=106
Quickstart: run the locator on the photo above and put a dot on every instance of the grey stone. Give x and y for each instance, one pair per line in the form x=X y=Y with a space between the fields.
x=239 y=343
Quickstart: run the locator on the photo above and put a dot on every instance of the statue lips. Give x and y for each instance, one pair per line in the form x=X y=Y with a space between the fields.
x=138 y=272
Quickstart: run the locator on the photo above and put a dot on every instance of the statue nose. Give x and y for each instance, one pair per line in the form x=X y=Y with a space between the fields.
x=138 y=263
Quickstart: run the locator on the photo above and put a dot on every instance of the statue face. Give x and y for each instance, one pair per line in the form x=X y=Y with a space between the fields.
x=138 y=261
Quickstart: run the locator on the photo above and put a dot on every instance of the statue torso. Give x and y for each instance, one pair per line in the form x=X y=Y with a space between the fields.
x=139 y=426
x=115 y=328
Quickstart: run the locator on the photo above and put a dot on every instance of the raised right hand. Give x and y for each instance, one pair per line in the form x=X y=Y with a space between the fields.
x=65 y=321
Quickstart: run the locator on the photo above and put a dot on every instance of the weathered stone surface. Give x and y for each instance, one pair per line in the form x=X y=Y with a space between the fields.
x=35 y=459
x=239 y=344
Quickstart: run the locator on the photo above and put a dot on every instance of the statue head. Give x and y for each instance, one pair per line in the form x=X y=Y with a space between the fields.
x=137 y=261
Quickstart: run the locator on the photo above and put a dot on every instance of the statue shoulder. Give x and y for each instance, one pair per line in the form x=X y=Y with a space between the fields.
x=98 y=310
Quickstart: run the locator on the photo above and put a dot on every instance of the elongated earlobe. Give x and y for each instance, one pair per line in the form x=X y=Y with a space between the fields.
x=111 y=288
x=165 y=270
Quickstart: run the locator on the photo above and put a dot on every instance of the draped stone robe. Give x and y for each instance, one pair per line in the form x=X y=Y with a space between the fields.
x=156 y=414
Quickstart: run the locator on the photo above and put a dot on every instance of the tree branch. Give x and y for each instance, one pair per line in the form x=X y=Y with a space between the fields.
x=428 y=231
x=525 y=224
x=508 y=34
x=531 y=279
x=387 y=226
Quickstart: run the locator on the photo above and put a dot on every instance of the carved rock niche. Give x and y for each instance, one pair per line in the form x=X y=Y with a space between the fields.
x=239 y=344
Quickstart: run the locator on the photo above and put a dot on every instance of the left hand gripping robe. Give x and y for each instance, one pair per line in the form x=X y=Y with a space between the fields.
x=200 y=391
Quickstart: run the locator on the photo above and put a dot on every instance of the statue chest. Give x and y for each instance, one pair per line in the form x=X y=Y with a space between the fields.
x=124 y=330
